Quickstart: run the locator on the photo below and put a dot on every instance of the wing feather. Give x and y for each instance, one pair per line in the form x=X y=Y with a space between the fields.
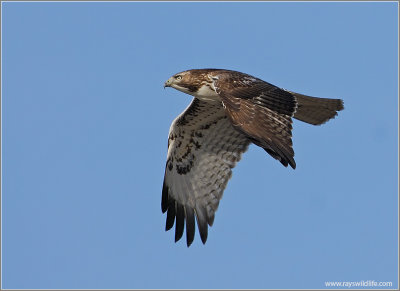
x=180 y=221
x=261 y=111
x=202 y=223
x=190 y=225
x=170 y=217
x=244 y=86
x=203 y=149
x=265 y=128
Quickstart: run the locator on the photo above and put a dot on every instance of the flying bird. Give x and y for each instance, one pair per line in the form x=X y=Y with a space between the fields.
x=229 y=111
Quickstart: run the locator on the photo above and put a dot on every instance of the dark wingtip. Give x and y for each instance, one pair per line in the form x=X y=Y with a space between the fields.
x=203 y=229
x=170 y=218
x=210 y=219
x=201 y=217
x=203 y=236
x=180 y=222
x=164 y=198
x=190 y=225
x=288 y=161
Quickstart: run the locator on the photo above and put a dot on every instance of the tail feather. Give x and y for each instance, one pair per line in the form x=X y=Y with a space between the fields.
x=316 y=110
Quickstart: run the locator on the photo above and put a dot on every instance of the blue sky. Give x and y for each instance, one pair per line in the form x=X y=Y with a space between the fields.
x=85 y=121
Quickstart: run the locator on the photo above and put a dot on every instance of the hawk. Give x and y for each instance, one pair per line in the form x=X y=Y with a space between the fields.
x=229 y=111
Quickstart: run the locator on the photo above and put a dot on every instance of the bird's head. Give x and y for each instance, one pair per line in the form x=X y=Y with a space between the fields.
x=183 y=81
x=196 y=82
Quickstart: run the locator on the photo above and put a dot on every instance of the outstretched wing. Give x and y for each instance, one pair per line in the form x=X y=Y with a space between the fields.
x=203 y=147
x=260 y=110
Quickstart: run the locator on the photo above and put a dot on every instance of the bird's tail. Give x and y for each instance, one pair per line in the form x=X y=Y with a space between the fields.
x=315 y=110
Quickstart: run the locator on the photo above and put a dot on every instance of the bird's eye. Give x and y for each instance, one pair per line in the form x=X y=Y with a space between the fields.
x=178 y=77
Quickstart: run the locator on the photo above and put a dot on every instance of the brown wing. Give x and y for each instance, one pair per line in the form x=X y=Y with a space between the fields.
x=203 y=147
x=243 y=86
x=308 y=109
x=261 y=111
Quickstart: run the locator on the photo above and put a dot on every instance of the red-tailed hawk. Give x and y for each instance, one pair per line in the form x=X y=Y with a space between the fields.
x=230 y=110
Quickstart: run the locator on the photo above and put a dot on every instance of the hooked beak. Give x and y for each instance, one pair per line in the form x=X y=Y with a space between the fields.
x=168 y=83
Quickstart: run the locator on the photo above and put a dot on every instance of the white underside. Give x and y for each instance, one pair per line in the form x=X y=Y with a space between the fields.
x=205 y=93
